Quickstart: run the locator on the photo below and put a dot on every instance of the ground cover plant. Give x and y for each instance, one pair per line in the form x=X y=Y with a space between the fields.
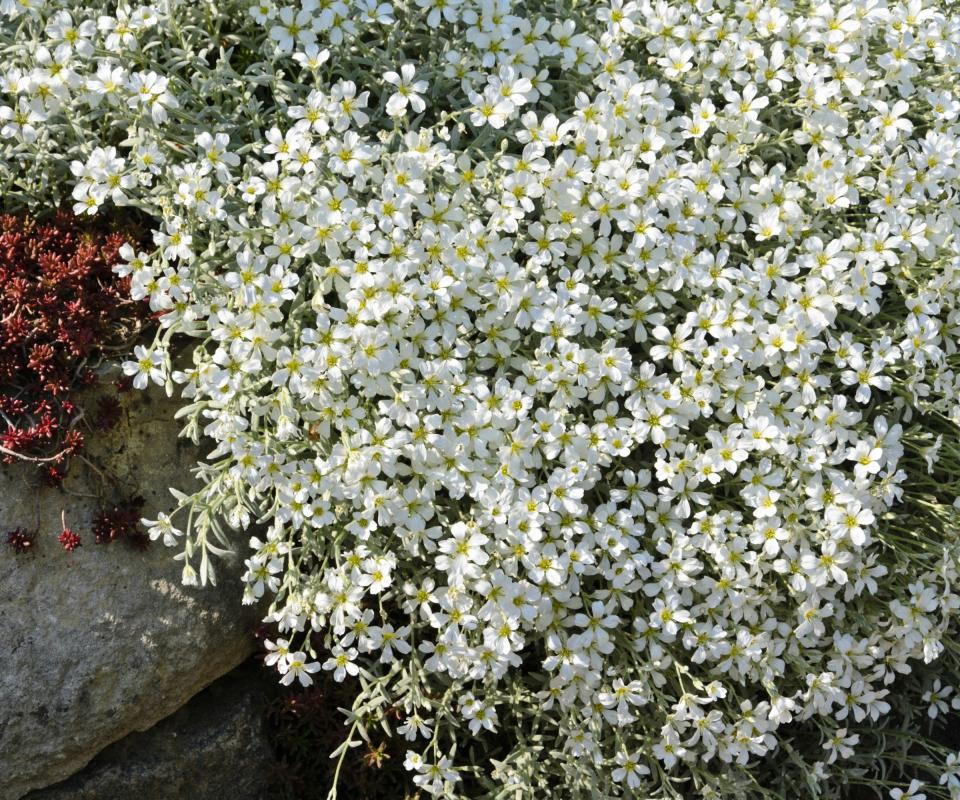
x=65 y=317
x=587 y=370
x=63 y=313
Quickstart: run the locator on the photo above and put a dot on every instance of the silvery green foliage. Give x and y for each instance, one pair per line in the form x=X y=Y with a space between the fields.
x=590 y=368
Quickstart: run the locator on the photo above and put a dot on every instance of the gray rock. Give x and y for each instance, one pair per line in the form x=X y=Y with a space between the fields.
x=214 y=747
x=105 y=640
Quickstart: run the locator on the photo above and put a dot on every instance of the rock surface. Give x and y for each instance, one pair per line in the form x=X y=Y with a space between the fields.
x=105 y=640
x=214 y=747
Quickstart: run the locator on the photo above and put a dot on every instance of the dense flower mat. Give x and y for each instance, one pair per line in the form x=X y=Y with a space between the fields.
x=585 y=371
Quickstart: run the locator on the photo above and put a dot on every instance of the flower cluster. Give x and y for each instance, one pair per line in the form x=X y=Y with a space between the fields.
x=587 y=373
x=61 y=310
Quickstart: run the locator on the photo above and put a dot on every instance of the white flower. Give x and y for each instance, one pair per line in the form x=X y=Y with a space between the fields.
x=150 y=89
x=490 y=108
x=163 y=526
x=292 y=28
x=408 y=91
x=437 y=10
x=912 y=792
x=22 y=120
x=890 y=120
x=938 y=698
x=841 y=745
x=61 y=29
x=147 y=367
x=434 y=777
x=296 y=667
x=312 y=56
x=342 y=663
x=412 y=726
x=263 y=11
x=276 y=651
x=630 y=769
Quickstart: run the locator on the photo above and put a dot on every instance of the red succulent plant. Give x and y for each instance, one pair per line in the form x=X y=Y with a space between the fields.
x=61 y=309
